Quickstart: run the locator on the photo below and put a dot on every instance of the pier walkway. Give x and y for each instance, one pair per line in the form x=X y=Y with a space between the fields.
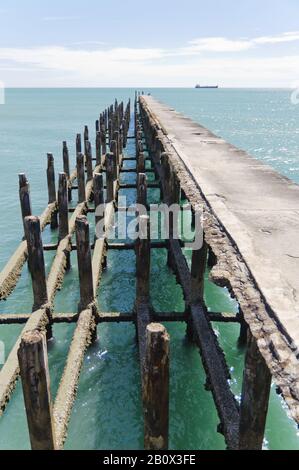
x=252 y=227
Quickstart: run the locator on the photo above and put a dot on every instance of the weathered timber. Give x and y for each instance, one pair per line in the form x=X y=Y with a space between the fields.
x=103 y=141
x=255 y=398
x=52 y=188
x=36 y=261
x=100 y=246
x=34 y=369
x=156 y=388
x=98 y=190
x=66 y=159
x=24 y=193
x=199 y=260
x=63 y=212
x=98 y=148
x=116 y=139
x=88 y=156
x=84 y=262
x=142 y=190
x=86 y=138
x=140 y=163
x=81 y=178
x=78 y=144
x=21 y=318
x=110 y=177
x=143 y=249
x=113 y=150
x=66 y=167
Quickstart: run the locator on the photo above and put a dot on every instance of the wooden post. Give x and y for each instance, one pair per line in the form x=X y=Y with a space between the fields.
x=124 y=133
x=98 y=149
x=139 y=141
x=34 y=370
x=52 y=188
x=78 y=144
x=255 y=398
x=110 y=130
x=86 y=138
x=142 y=190
x=88 y=155
x=166 y=176
x=63 y=213
x=36 y=261
x=116 y=138
x=110 y=177
x=156 y=388
x=66 y=159
x=103 y=140
x=24 y=192
x=173 y=198
x=140 y=146
x=143 y=260
x=98 y=187
x=113 y=150
x=140 y=163
x=121 y=141
x=63 y=207
x=81 y=178
x=66 y=166
x=198 y=268
x=84 y=263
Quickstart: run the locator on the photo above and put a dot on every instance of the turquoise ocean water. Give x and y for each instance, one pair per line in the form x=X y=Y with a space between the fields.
x=107 y=412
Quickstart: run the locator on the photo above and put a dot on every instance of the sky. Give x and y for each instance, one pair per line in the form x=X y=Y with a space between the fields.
x=130 y=43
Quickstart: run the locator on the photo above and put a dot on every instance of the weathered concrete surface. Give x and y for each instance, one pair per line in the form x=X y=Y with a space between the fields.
x=252 y=225
x=258 y=207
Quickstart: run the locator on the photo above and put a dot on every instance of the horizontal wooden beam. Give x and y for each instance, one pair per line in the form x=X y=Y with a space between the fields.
x=110 y=317
x=128 y=186
x=116 y=246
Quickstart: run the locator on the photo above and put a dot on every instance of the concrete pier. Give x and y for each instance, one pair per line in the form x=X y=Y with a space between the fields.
x=251 y=225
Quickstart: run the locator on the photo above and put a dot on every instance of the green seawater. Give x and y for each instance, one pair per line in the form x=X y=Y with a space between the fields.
x=107 y=413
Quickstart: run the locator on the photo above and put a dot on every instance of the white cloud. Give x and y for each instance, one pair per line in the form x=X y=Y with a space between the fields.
x=285 y=37
x=88 y=43
x=207 y=60
x=60 y=18
x=221 y=44
x=217 y=44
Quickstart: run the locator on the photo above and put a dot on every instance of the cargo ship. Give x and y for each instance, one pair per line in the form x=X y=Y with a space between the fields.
x=206 y=86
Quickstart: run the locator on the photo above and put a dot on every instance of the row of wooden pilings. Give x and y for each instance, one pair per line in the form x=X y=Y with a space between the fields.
x=243 y=425
x=242 y=428
x=153 y=338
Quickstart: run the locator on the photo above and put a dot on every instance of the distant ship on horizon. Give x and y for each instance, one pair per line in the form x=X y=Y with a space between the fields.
x=206 y=86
